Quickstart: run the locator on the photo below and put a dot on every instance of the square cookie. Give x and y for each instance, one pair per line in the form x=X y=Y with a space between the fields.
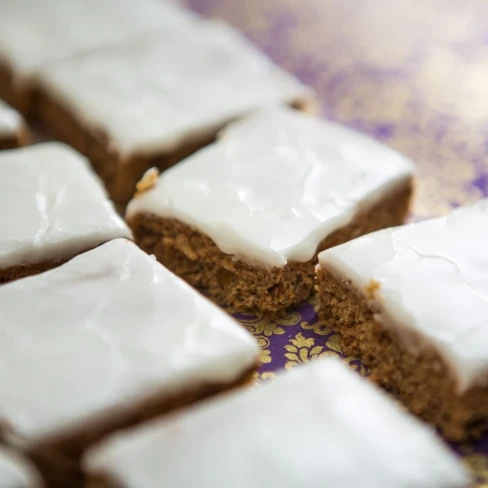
x=17 y=472
x=107 y=339
x=34 y=33
x=412 y=303
x=13 y=132
x=153 y=100
x=246 y=217
x=320 y=425
x=54 y=207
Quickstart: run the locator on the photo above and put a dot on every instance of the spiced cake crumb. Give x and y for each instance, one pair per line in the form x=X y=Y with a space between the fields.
x=246 y=217
x=155 y=117
x=412 y=303
x=104 y=341
x=148 y=181
x=372 y=289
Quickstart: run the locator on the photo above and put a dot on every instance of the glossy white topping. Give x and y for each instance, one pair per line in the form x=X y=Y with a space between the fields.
x=11 y=121
x=275 y=184
x=104 y=332
x=174 y=84
x=33 y=32
x=433 y=282
x=318 y=425
x=53 y=206
x=17 y=472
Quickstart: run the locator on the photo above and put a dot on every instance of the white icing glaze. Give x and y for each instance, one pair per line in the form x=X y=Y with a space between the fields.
x=10 y=120
x=54 y=206
x=17 y=472
x=433 y=279
x=174 y=84
x=110 y=328
x=275 y=184
x=33 y=32
x=318 y=425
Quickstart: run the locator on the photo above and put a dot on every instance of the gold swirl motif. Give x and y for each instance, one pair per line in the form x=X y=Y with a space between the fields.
x=259 y=326
x=356 y=365
x=477 y=465
x=334 y=343
x=318 y=327
x=265 y=355
x=260 y=377
x=301 y=350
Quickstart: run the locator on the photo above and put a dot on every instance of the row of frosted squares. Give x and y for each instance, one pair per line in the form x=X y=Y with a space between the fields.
x=140 y=342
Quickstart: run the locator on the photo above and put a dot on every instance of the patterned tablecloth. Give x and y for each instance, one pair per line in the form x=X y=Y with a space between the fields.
x=413 y=75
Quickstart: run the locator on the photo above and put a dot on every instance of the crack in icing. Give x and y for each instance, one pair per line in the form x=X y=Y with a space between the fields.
x=145 y=330
x=46 y=203
x=60 y=206
x=434 y=277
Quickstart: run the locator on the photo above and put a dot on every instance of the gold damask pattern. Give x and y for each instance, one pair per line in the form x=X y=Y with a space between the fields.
x=477 y=464
x=410 y=74
x=301 y=350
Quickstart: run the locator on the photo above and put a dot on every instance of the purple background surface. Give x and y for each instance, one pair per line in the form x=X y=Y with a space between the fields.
x=413 y=75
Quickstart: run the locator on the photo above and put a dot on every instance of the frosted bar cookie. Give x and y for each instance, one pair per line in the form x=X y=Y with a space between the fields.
x=101 y=342
x=53 y=208
x=33 y=34
x=318 y=425
x=246 y=216
x=412 y=302
x=17 y=472
x=153 y=100
x=13 y=132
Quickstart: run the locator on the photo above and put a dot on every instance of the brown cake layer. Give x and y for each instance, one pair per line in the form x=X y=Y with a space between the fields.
x=16 y=95
x=423 y=382
x=58 y=460
x=22 y=271
x=16 y=272
x=120 y=174
x=197 y=259
x=100 y=481
x=10 y=142
x=15 y=140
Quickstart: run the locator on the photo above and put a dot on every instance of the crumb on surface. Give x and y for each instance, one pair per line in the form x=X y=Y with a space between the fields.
x=372 y=289
x=147 y=182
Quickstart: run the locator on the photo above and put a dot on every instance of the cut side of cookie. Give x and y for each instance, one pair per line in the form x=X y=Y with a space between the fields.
x=319 y=425
x=412 y=303
x=155 y=99
x=246 y=216
x=102 y=342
